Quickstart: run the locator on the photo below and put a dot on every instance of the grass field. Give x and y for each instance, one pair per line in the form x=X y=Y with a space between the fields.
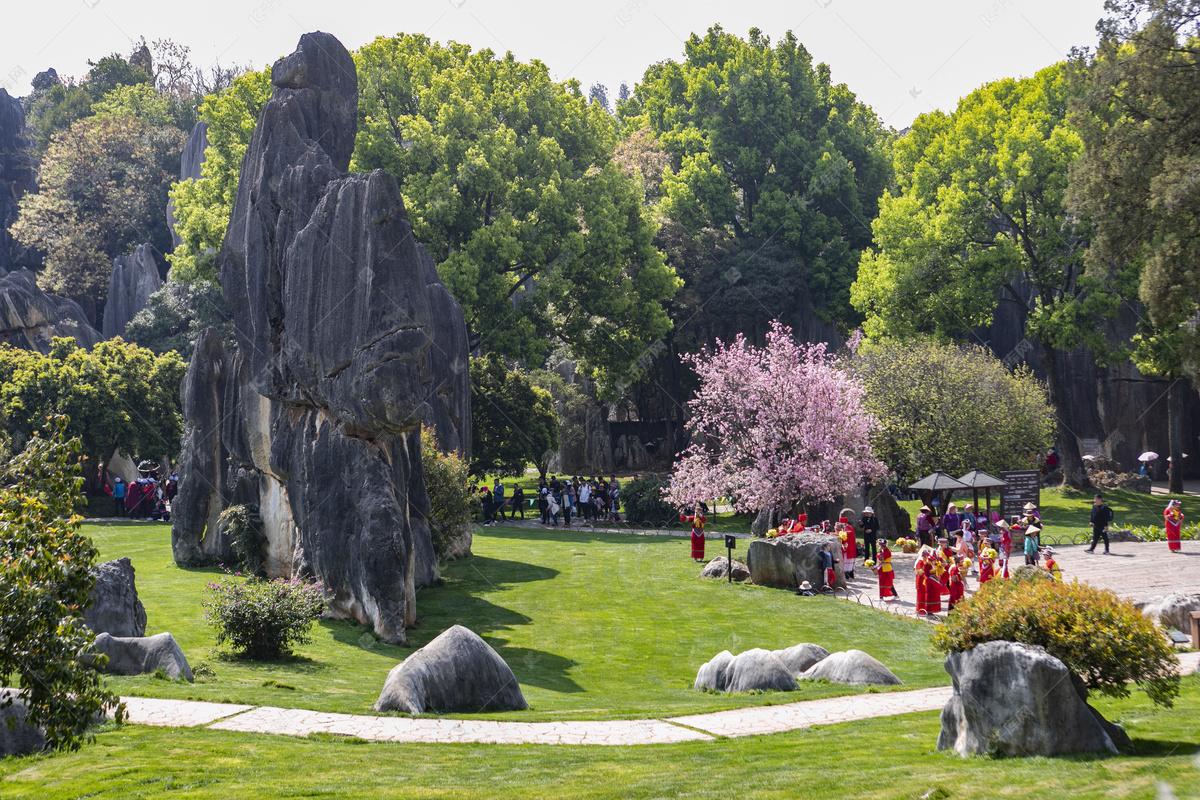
x=593 y=625
x=884 y=758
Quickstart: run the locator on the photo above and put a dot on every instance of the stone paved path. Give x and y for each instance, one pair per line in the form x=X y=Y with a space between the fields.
x=433 y=730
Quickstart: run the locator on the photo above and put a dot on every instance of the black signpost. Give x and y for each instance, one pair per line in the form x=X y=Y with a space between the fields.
x=1023 y=486
x=730 y=541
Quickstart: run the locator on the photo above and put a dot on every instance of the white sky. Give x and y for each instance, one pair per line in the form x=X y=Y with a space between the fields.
x=901 y=58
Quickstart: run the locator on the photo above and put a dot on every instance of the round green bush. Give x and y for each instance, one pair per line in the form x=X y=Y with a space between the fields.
x=642 y=501
x=263 y=619
x=1103 y=639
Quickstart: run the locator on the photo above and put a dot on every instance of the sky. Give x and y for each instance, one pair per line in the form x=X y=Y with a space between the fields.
x=901 y=58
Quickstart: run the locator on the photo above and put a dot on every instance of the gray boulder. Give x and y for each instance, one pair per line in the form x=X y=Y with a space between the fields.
x=852 y=667
x=134 y=278
x=1173 y=610
x=753 y=670
x=788 y=560
x=30 y=318
x=347 y=342
x=719 y=568
x=456 y=672
x=135 y=655
x=800 y=657
x=189 y=167
x=115 y=608
x=1017 y=700
x=22 y=738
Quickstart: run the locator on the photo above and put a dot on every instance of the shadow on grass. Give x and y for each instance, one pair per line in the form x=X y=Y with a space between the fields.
x=573 y=536
x=1163 y=748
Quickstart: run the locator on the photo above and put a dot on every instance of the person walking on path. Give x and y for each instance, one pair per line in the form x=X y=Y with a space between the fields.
x=498 y=492
x=887 y=576
x=697 y=519
x=544 y=504
x=1172 y=519
x=870 y=528
x=1102 y=515
x=1032 y=543
x=489 y=505
x=585 y=500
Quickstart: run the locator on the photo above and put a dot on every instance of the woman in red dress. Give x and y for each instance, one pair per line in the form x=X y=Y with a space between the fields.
x=1172 y=519
x=697 y=520
x=956 y=586
x=934 y=580
x=887 y=576
x=919 y=578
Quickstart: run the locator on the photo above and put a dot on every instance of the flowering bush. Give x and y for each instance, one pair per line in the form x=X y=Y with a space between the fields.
x=263 y=619
x=1157 y=533
x=1104 y=640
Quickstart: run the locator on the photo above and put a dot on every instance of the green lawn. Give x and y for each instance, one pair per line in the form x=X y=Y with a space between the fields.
x=593 y=625
x=1067 y=512
x=884 y=758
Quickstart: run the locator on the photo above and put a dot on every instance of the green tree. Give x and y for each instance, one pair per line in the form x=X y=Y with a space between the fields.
x=1138 y=177
x=509 y=181
x=950 y=408
x=102 y=189
x=764 y=145
x=176 y=315
x=979 y=218
x=570 y=406
x=512 y=421
x=45 y=586
x=142 y=102
x=203 y=206
x=54 y=106
x=115 y=394
x=448 y=483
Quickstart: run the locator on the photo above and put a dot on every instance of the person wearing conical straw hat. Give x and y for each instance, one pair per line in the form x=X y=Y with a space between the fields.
x=1172 y=519
x=1032 y=541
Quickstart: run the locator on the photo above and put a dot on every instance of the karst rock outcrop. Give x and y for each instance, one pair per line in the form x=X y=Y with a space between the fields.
x=347 y=342
x=30 y=319
x=134 y=278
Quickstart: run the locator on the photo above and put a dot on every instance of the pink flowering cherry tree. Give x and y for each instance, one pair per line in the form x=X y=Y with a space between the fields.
x=773 y=427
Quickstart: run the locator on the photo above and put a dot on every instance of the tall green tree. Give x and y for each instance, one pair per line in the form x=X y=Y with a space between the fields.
x=45 y=586
x=950 y=408
x=509 y=181
x=764 y=145
x=203 y=206
x=102 y=189
x=1138 y=177
x=979 y=218
x=513 y=422
x=116 y=394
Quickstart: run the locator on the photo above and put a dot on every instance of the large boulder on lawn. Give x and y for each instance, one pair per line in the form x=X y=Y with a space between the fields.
x=852 y=667
x=456 y=672
x=1018 y=700
x=753 y=670
x=790 y=559
x=22 y=739
x=1173 y=610
x=136 y=655
x=800 y=657
x=115 y=608
x=719 y=568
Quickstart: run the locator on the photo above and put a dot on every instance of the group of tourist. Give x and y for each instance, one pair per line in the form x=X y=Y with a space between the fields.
x=590 y=499
x=144 y=498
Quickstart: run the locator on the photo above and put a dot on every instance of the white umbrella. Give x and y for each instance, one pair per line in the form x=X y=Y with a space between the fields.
x=1148 y=456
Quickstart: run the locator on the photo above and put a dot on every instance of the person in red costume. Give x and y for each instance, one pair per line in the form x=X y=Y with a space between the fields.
x=1172 y=520
x=919 y=580
x=987 y=560
x=945 y=559
x=697 y=520
x=849 y=546
x=887 y=576
x=956 y=586
x=934 y=581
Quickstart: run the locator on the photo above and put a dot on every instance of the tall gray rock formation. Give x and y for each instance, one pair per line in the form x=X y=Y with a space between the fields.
x=347 y=341
x=189 y=167
x=16 y=177
x=30 y=318
x=134 y=278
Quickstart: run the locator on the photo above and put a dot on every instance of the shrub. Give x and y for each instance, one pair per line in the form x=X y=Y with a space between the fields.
x=263 y=619
x=243 y=525
x=1104 y=640
x=448 y=484
x=643 y=501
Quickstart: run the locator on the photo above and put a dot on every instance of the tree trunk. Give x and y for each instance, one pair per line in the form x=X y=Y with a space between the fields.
x=1070 y=460
x=1176 y=395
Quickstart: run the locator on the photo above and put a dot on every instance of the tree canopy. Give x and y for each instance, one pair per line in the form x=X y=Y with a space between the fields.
x=115 y=394
x=509 y=181
x=979 y=218
x=102 y=189
x=512 y=420
x=950 y=408
x=762 y=143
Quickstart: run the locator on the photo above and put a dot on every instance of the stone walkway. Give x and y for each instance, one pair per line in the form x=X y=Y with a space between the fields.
x=433 y=730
